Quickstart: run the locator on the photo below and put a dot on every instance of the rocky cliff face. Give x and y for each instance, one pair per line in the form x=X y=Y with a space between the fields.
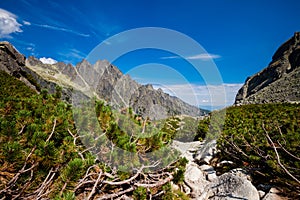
x=102 y=79
x=279 y=82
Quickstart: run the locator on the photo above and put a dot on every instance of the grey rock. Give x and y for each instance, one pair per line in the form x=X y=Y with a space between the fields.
x=211 y=176
x=273 y=196
x=186 y=148
x=195 y=180
x=206 y=168
x=261 y=193
x=206 y=153
x=209 y=172
x=230 y=187
x=274 y=190
x=277 y=83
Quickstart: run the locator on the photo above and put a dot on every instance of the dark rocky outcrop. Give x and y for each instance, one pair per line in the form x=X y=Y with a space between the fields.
x=13 y=63
x=279 y=82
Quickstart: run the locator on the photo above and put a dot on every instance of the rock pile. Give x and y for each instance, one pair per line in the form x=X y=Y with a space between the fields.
x=201 y=181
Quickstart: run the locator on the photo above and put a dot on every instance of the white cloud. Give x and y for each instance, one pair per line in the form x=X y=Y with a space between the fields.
x=202 y=56
x=8 y=24
x=48 y=60
x=214 y=96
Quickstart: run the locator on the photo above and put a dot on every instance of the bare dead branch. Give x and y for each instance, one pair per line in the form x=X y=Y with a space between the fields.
x=127 y=180
x=23 y=170
x=94 y=187
x=74 y=142
x=279 y=129
x=278 y=158
x=286 y=151
x=40 y=191
x=52 y=132
x=114 y=195
x=237 y=148
x=157 y=184
x=22 y=129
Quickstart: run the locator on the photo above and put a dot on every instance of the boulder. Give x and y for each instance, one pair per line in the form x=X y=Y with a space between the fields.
x=261 y=193
x=230 y=187
x=195 y=179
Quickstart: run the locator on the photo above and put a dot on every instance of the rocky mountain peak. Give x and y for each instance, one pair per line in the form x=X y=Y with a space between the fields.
x=31 y=60
x=289 y=45
x=101 y=65
x=10 y=59
x=279 y=82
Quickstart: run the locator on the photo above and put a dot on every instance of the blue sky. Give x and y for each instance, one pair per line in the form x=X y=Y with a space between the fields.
x=239 y=36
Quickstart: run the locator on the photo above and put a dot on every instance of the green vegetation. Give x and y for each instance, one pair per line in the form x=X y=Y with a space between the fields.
x=34 y=140
x=264 y=139
x=41 y=154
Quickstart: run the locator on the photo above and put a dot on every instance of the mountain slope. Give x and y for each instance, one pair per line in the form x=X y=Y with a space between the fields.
x=279 y=82
x=107 y=82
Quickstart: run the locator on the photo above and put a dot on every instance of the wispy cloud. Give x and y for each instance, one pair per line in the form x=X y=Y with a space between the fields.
x=76 y=54
x=56 y=28
x=30 y=48
x=202 y=56
x=8 y=24
x=26 y=23
x=71 y=55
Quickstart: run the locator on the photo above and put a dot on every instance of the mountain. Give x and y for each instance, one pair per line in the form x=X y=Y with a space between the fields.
x=13 y=63
x=279 y=82
x=102 y=80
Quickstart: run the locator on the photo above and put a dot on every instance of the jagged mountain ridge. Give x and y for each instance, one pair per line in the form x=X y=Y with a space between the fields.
x=102 y=79
x=279 y=82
